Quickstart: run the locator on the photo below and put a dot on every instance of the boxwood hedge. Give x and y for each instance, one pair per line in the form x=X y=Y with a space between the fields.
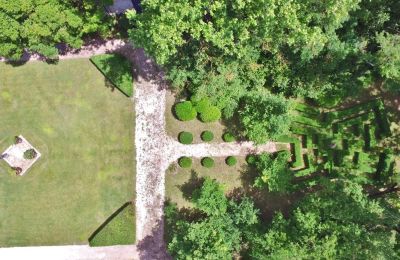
x=207 y=136
x=185 y=137
x=185 y=162
x=207 y=162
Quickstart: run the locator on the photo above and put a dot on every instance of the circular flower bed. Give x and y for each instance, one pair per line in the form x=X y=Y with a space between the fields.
x=185 y=137
x=207 y=136
x=207 y=162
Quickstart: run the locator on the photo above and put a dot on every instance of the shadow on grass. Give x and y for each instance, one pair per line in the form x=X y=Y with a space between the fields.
x=195 y=182
x=108 y=220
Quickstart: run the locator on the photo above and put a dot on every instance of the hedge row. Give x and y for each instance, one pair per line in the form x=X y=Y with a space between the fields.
x=295 y=147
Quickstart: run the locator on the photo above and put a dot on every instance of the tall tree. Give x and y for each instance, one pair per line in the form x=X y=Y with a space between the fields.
x=339 y=222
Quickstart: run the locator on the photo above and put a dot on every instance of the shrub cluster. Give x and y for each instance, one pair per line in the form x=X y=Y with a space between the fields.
x=231 y=160
x=207 y=112
x=207 y=162
x=207 y=136
x=185 y=111
x=30 y=154
x=185 y=137
x=185 y=162
x=228 y=137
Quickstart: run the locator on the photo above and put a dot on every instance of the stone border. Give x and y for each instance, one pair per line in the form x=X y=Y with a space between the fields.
x=15 y=153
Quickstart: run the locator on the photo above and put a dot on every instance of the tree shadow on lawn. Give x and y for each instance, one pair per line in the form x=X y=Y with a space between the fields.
x=109 y=220
x=194 y=183
x=267 y=202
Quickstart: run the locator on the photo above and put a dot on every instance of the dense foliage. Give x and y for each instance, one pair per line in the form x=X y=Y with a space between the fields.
x=264 y=117
x=336 y=222
x=117 y=69
x=274 y=172
x=218 y=234
x=323 y=50
x=185 y=137
x=38 y=25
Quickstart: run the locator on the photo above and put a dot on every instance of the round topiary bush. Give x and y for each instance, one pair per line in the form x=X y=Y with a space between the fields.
x=207 y=162
x=211 y=114
x=231 y=160
x=228 y=137
x=30 y=154
x=251 y=159
x=185 y=137
x=201 y=105
x=207 y=136
x=185 y=111
x=185 y=162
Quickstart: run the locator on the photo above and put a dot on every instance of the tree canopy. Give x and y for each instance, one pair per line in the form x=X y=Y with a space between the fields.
x=38 y=25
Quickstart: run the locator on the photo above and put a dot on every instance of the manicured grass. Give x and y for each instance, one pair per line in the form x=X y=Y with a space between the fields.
x=119 y=229
x=117 y=69
x=85 y=133
x=196 y=127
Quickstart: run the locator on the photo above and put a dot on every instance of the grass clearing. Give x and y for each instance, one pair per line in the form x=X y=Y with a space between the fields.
x=119 y=229
x=85 y=133
x=117 y=69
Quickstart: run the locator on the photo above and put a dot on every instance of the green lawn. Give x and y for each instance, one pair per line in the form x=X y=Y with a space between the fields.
x=85 y=133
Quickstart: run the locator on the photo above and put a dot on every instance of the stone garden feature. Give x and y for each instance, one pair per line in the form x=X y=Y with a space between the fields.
x=21 y=155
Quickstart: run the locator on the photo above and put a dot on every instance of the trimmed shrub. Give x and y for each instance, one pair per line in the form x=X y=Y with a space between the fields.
x=30 y=154
x=228 y=137
x=207 y=136
x=202 y=105
x=185 y=111
x=251 y=158
x=207 y=162
x=185 y=137
x=185 y=162
x=231 y=160
x=211 y=114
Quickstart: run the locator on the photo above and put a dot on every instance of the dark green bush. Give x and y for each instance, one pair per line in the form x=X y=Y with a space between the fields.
x=185 y=137
x=185 y=111
x=30 y=154
x=211 y=114
x=185 y=162
x=228 y=137
x=231 y=160
x=251 y=158
x=207 y=136
x=207 y=162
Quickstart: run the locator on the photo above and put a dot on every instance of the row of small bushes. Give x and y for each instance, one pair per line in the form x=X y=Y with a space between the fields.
x=208 y=162
x=206 y=136
x=188 y=110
